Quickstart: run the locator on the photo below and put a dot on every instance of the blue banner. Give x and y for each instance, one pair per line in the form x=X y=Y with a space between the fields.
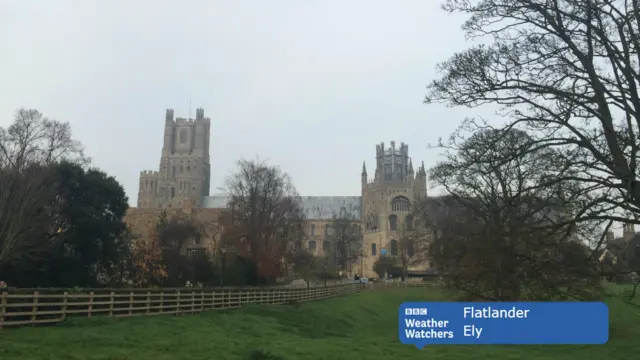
x=425 y=323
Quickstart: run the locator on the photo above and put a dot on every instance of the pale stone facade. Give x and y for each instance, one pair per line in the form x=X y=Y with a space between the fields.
x=185 y=172
x=384 y=206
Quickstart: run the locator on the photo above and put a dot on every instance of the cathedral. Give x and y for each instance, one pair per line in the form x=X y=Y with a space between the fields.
x=182 y=184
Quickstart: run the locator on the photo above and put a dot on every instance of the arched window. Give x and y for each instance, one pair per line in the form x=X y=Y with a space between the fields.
x=312 y=246
x=326 y=246
x=400 y=203
x=298 y=245
x=183 y=136
x=313 y=229
x=408 y=222
x=374 y=250
x=327 y=229
x=355 y=228
x=393 y=222
x=394 y=247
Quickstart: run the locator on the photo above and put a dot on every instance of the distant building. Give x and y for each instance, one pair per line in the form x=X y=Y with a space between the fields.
x=182 y=184
x=622 y=252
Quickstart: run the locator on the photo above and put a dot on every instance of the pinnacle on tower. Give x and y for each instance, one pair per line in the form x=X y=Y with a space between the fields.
x=410 y=166
x=364 y=168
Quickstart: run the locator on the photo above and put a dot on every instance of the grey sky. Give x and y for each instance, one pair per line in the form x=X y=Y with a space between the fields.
x=311 y=86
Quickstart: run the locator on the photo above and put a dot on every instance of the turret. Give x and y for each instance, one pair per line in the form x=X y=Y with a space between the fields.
x=610 y=237
x=169 y=125
x=364 y=173
x=628 y=232
x=410 y=173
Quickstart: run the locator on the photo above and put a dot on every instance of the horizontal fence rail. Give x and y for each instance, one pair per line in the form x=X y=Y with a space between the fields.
x=22 y=308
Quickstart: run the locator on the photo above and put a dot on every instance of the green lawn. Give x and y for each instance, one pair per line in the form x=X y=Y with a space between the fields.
x=360 y=326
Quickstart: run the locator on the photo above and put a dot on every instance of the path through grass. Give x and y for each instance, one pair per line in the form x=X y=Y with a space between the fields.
x=360 y=326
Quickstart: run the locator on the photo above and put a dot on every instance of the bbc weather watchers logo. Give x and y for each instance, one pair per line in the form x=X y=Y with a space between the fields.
x=415 y=311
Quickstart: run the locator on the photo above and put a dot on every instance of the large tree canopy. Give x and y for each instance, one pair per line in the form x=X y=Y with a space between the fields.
x=567 y=71
x=265 y=216
x=506 y=235
x=86 y=215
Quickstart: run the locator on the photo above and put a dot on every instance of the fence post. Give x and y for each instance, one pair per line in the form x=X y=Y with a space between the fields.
x=202 y=301
x=178 y=308
x=111 y=300
x=3 y=307
x=131 y=303
x=148 y=302
x=90 y=303
x=161 y=301
x=193 y=302
x=65 y=301
x=34 y=309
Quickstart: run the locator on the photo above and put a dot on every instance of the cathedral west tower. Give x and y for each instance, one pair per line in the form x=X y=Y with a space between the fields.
x=183 y=179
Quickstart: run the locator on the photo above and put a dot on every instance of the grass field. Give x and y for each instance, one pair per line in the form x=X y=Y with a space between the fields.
x=360 y=326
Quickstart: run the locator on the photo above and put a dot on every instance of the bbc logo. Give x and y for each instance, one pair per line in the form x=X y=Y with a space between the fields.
x=417 y=311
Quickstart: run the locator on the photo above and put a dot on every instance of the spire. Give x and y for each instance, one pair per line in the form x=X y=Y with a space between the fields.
x=410 y=166
x=364 y=168
x=422 y=171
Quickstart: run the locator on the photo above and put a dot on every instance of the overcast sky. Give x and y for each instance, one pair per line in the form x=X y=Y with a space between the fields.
x=311 y=86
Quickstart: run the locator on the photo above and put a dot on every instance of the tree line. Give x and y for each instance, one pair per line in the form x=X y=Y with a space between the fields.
x=62 y=223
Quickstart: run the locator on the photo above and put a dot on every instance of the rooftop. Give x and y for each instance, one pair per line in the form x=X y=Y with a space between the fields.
x=315 y=207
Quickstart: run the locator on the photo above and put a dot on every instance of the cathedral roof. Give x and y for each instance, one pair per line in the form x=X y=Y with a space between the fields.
x=315 y=207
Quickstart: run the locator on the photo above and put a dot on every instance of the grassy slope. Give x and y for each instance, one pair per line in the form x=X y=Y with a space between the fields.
x=360 y=326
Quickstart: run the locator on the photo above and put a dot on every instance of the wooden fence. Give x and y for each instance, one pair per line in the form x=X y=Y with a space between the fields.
x=45 y=308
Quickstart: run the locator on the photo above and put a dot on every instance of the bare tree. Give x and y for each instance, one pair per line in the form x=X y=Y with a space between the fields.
x=28 y=227
x=346 y=240
x=265 y=208
x=512 y=231
x=567 y=72
x=304 y=264
x=34 y=139
x=407 y=239
x=25 y=215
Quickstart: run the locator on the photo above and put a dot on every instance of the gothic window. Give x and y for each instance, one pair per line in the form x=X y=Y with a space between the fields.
x=388 y=175
x=197 y=254
x=173 y=192
x=196 y=239
x=188 y=168
x=394 y=247
x=400 y=203
x=313 y=229
x=326 y=246
x=372 y=221
x=355 y=228
x=328 y=230
x=183 y=136
x=312 y=246
x=393 y=222
x=374 y=250
x=408 y=222
x=298 y=245
x=173 y=172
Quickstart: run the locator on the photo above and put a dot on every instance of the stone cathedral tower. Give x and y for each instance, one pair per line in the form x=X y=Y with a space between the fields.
x=387 y=202
x=183 y=179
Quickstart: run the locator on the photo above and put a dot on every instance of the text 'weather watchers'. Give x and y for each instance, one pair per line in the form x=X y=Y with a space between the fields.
x=427 y=323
